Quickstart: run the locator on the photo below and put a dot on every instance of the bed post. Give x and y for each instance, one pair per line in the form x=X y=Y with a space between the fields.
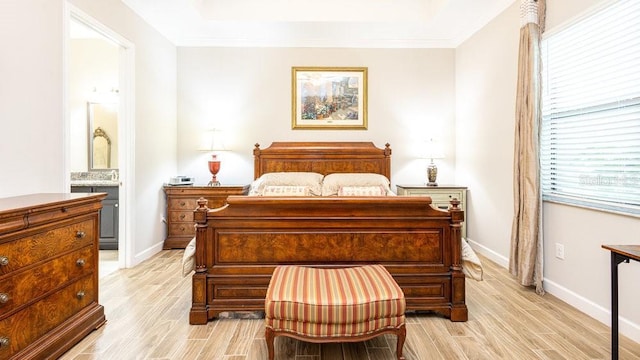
x=198 y=313
x=387 y=160
x=256 y=161
x=458 y=307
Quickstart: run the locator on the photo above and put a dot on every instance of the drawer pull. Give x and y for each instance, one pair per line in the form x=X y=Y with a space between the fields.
x=4 y=261
x=80 y=262
x=80 y=234
x=80 y=294
x=182 y=216
x=182 y=203
x=4 y=342
x=4 y=298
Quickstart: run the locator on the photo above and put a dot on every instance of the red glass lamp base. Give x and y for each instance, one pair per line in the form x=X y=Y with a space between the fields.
x=214 y=168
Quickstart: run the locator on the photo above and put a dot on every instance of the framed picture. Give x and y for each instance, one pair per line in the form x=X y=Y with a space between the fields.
x=325 y=98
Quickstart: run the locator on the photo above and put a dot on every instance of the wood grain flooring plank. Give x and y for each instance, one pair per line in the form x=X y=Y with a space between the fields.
x=418 y=343
x=472 y=348
x=243 y=336
x=380 y=354
x=216 y=345
x=331 y=351
x=550 y=355
x=285 y=348
x=354 y=351
x=307 y=348
x=561 y=345
x=257 y=350
x=439 y=335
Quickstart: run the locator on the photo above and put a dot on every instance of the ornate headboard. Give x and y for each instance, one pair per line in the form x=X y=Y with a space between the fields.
x=322 y=157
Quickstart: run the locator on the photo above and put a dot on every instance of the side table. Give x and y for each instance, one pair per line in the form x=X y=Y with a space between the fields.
x=181 y=202
x=440 y=197
x=619 y=254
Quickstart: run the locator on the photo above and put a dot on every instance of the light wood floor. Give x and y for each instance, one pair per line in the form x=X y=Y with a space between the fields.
x=147 y=318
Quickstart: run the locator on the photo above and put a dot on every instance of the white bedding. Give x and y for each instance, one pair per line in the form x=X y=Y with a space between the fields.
x=471 y=265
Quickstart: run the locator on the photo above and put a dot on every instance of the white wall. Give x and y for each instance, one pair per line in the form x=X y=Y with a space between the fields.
x=32 y=139
x=31 y=108
x=247 y=91
x=486 y=68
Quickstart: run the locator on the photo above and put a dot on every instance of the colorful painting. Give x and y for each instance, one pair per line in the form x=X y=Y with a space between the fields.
x=329 y=98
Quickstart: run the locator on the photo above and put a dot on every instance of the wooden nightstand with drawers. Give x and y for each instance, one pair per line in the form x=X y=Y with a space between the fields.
x=440 y=197
x=181 y=202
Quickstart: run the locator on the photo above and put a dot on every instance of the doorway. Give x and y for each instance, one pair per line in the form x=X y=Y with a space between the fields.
x=99 y=75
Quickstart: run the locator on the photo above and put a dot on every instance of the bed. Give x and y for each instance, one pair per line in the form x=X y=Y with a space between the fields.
x=237 y=246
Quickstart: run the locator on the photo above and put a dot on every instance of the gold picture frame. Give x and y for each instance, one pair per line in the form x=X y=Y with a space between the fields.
x=329 y=98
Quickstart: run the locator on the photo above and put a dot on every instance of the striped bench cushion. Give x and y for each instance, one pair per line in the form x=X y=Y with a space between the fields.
x=320 y=302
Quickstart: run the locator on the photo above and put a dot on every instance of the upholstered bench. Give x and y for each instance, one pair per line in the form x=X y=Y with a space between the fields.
x=334 y=305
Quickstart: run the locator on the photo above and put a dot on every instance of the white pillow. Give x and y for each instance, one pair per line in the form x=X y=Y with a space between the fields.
x=285 y=190
x=376 y=190
x=332 y=182
x=311 y=180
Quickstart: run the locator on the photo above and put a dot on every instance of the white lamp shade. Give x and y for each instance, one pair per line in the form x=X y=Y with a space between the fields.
x=432 y=149
x=212 y=140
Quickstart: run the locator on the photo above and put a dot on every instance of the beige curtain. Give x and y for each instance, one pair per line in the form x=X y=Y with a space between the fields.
x=526 y=260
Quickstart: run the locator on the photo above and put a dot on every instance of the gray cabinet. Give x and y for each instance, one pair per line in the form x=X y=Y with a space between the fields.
x=108 y=214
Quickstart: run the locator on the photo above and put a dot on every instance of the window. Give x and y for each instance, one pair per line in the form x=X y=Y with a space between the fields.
x=590 y=135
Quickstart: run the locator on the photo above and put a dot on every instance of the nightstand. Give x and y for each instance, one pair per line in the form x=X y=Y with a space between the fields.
x=440 y=197
x=181 y=202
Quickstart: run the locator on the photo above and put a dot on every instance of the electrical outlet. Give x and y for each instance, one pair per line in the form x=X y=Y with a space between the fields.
x=560 y=251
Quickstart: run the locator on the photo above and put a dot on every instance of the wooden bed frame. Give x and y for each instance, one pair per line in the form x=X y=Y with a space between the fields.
x=239 y=244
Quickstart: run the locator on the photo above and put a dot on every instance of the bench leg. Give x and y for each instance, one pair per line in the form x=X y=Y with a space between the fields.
x=269 y=336
x=402 y=334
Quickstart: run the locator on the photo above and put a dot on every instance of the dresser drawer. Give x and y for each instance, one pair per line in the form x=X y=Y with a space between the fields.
x=26 y=286
x=182 y=229
x=181 y=216
x=32 y=249
x=183 y=204
x=36 y=320
x=440 y=198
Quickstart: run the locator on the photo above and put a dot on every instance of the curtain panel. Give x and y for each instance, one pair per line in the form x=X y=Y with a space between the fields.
x=526 y=258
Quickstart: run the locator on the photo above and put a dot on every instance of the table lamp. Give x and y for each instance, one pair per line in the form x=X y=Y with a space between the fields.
x=432 y=150
x=212 y=141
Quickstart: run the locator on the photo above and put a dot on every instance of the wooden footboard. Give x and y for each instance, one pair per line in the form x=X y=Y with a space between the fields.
x=239 y=245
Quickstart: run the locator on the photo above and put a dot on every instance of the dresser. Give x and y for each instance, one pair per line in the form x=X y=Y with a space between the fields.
x=48 y=273
x=440 y=197
x=181 y=202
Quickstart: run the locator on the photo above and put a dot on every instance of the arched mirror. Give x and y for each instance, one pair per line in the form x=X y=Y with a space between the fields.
x=103 y=130
x=101 y=149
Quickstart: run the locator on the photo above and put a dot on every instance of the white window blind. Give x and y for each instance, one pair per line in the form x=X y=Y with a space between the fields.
x=590 y=136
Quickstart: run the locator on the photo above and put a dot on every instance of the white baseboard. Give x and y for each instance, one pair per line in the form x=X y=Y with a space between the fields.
x=490 y=254
x=147 y=253
x=625 y=326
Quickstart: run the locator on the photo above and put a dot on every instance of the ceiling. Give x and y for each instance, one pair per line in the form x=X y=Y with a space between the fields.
x=318 y=23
